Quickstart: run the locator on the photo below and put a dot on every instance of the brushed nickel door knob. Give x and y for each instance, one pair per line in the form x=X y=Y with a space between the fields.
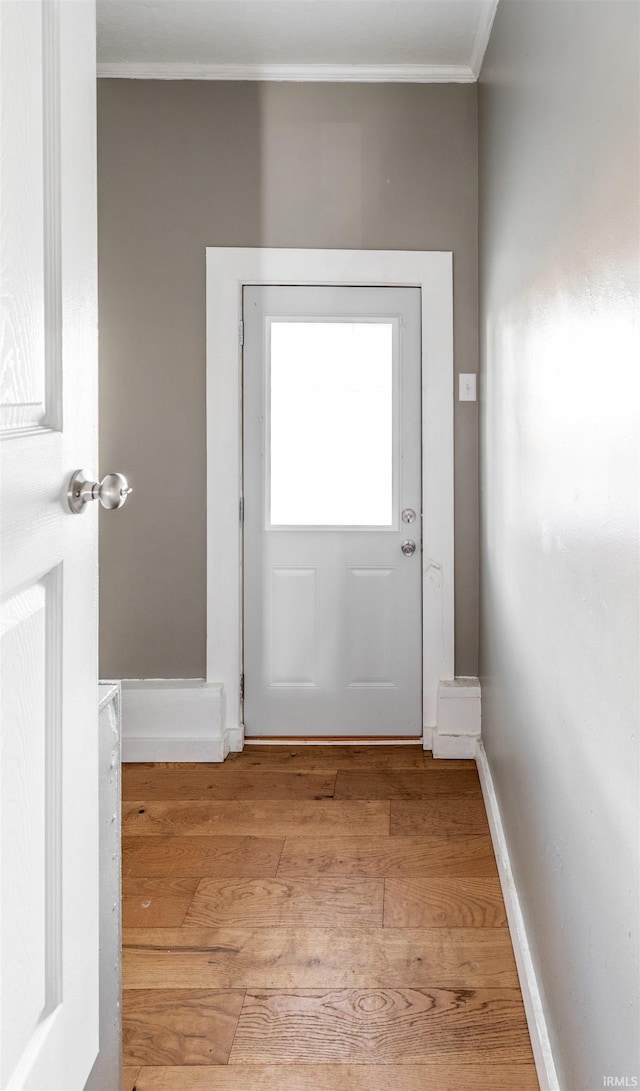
x=112 y=491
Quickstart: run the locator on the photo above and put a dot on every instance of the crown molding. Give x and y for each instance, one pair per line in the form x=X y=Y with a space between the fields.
x=483 y=33
x=300 y=73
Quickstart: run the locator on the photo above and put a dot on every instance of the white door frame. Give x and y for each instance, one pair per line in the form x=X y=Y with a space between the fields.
x=228 y=270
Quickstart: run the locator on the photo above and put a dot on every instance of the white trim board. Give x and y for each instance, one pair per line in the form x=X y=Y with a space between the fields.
x=483 y=34
x=297 y=73
x=292 y=741
x=174 y=719
x=533 y=1005
x=228 y=270
x=459 y=718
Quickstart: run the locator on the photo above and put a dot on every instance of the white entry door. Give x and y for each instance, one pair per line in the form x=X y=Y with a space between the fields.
x=48 y=570
x=332 y=495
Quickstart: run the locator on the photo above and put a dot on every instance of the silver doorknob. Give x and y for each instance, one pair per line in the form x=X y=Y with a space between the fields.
x=408 y=547
x=112 y=491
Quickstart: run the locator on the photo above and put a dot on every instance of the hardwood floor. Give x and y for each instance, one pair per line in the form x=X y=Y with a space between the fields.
x=316 y=917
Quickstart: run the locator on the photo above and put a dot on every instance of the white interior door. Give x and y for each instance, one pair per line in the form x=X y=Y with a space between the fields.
x=48 y=405
x=332 y=493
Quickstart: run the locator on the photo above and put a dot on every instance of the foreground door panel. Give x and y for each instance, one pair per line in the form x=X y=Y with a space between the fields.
x=48 y=405
x=332 y=454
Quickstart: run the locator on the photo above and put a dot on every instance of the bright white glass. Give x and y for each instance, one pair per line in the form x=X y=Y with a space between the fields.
x=331 y=424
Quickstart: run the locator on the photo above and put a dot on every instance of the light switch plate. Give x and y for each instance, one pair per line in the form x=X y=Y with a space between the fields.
x=467 y=388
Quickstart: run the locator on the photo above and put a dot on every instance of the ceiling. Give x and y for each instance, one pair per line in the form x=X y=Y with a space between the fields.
x=416 y=40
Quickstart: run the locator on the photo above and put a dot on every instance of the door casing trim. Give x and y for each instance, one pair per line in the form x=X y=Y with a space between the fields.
x=228 y=270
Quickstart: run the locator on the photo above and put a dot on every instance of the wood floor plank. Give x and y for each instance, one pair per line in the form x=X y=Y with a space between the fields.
x=255 y=818
x=381 y=857
x=156 y=903
x=268 y=903
x=308 y=958
x=320 y=759
x=207 y=780
x=446 y=816
x=410 y=784
x=179 y=1026
x=129 y=1077
x=381 y=1026
x=200 y=857
x=430 y=1076
x=444 y=903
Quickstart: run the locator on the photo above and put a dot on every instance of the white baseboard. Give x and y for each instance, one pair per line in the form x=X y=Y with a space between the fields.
x=175 y=719
x=183 y=719
x=534 y=1009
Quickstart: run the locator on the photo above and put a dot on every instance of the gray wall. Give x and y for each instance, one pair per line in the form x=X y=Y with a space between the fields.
x=183 y=165
x=559 y=494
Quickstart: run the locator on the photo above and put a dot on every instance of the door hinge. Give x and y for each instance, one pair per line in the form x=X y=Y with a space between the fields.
x=241 y=333
x=242 y=687
x=241 y=509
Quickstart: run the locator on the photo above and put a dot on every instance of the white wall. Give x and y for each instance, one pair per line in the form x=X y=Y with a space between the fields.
x=559 y=496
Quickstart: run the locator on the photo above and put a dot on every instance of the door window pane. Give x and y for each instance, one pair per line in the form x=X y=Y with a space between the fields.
x=331 y=424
